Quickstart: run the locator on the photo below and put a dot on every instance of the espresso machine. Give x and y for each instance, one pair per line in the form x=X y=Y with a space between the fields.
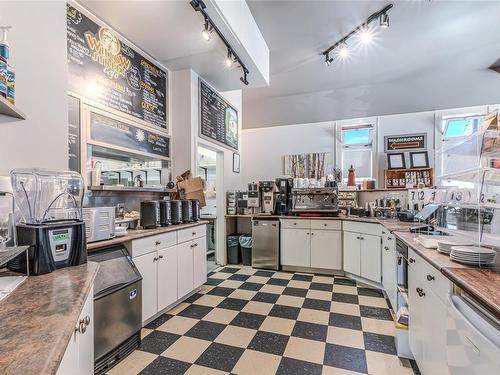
x=284 y=197
x=253 y=201
x=267 y=190
x=315 y=201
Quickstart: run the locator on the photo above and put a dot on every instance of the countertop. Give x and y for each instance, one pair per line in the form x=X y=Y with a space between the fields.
x=39 y=317
x=133 y=234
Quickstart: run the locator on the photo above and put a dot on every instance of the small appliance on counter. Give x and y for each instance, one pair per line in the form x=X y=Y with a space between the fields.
x=317 y=202
x=49 y=220
x=99 y=223
x=150 y=214
x=187 y=211
x=165 y=213
x=195 y=208
x=253 y=197
x=284 y=198
x=267 y=189
x=242 y=203
x=176 y=211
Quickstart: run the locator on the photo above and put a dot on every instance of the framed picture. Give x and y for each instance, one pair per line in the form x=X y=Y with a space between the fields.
x=236 y=162
x=419 y=159
x=396 y=160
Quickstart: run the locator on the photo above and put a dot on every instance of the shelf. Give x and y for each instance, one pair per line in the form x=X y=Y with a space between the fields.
x=8 y=109
x=133 y=189
x=479 y=138
x=482 y=175
x=488 y=205
x=10 y=253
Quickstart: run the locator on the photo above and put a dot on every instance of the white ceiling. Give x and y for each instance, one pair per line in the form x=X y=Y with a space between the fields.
x=435 y=55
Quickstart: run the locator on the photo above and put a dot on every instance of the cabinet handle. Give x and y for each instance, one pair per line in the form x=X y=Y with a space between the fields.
x=192 y=245
x=389 y=238
x=307 y=233
x=430 y=278
x=81 y=327
x=158 y=243
x=195 y=245
x=325 y=225
x=312 y=233
x=155 y=259
x=420 y=292
x=160 y=257
x=358 y=238
x=361 y=238
x=87 y=320
x=194 y=233
x=411 y=260
x=383 y=232
x=386 y=248
x=294 y=223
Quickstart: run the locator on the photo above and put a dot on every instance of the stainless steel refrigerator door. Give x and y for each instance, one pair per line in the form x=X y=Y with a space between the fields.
x=266 y=244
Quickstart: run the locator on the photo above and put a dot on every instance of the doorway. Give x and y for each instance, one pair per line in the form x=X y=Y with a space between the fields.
x=207 y=169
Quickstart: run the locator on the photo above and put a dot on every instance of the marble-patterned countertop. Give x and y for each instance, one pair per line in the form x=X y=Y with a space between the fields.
x=39 y=317
x=133 y=234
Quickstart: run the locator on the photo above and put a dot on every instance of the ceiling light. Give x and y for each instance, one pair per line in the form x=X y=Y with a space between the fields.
x=366 y=36
x=205 y=34
x=384 y=21
x=344 y=51
x=328 y=59
x=229 y=59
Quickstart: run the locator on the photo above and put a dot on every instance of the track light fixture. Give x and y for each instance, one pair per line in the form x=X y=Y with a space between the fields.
x=232 y=57
x=364 y=32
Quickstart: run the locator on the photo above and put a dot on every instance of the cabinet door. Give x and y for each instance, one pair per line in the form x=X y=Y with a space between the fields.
x=296 y=247
x=415 y=319
x=167 y=277
x=389 y=267
x=352 y=253
x=435 y=335
x=200 y=262
x=185 y=282
x=371 y=258
x=326 y=249
x=146 y=264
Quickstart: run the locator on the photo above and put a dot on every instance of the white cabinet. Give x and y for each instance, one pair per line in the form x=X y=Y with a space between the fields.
x=167 y=277
x=371 y=262
x=416 y=311
x=78 y=359
x=185 y=281
x=200 y=262
x=295 y=247
x=146 y=264
x=389 y=267
x=352 y=253
x=326 y=249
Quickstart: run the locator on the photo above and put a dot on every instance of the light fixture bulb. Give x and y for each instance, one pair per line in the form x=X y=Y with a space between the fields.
x=384 y=21
x=365 y=36
x=205 y=34
x=229 y=59
x=344 y=51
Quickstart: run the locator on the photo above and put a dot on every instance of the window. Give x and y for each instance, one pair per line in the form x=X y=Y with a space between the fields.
x=461 y=127
x=356 y=136
x=357 y=150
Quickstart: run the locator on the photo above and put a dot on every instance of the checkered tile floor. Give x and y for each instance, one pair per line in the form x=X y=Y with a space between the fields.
x=248 y=321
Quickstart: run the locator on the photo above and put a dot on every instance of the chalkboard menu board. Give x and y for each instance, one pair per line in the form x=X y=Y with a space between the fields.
x=74 y=152
x=218 y=119
x=105 y=69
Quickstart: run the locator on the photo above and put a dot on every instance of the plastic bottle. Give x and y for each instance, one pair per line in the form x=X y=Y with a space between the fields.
x=4 y=44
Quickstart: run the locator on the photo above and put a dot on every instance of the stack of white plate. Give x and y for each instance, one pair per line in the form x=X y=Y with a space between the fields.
x=473 y=255
x=444 y=245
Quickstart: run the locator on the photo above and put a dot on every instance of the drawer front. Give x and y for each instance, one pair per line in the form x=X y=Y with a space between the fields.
x=149 y=244
x=192 y=233
x=326 y=224
x=367 y=228
x=414 y=260
x=434 y=280
x=296 y=223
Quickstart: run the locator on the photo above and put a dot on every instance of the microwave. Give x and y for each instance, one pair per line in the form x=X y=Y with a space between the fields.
x=99 y=223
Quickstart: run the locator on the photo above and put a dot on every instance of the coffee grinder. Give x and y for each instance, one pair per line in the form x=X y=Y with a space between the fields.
x=284 y=199
x=267 y=189
x=253 y=197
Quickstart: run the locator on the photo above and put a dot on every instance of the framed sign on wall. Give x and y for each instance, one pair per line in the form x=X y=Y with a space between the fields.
x=406 y=142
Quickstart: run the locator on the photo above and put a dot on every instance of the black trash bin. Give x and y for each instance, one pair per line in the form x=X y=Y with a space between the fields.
x=246 y=243
x=233 y=249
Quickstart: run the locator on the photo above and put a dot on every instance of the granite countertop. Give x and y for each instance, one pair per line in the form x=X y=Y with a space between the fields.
x=133 y=234
x=482 y=284
x=39 y=317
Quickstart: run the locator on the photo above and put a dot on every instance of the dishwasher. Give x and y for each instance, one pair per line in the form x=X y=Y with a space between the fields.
x=266 y=244
x=117 y=307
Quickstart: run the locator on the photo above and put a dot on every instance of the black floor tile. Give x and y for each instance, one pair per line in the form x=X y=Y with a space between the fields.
x=251 y=286
x=232 y=304
x=248 y=320
x=310 y=331
x=264 y=273
x=195 y=311
x=370 y=292
x=158 y=321
x=375 y=312
x=193 y=298
x=414 y=367
x=321 y=286
x=269 y=343
x=290 y=366
x=266 y=297
x=212 y=281
x=157 y=341
x=296 y=292
x=345 y=297
x=343 y=281
x=221 y=357
x=239 y=277
x=347 y=358
x=379 y=343
x=165 y=366
x=287 y=312
x=345 y=321
x=229 y=270
x=280 y=282
x=301 y=277
x=220 y=291
x=316 y=304
x=205 y=330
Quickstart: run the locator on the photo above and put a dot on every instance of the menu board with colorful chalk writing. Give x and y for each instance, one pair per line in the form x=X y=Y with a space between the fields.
x=104 y=68
x=218 y=119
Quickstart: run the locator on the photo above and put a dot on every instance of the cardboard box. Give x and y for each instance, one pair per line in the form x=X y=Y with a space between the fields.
x=193 y=189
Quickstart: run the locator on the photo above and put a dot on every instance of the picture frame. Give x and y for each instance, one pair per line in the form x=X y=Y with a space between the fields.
x=236 y=162
x=396 y=160
x=419 y=159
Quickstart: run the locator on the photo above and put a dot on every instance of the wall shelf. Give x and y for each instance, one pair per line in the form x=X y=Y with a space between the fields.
x=400 y=176
x=8 y=109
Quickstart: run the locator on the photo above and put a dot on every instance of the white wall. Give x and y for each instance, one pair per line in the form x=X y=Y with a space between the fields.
x=38 y=54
